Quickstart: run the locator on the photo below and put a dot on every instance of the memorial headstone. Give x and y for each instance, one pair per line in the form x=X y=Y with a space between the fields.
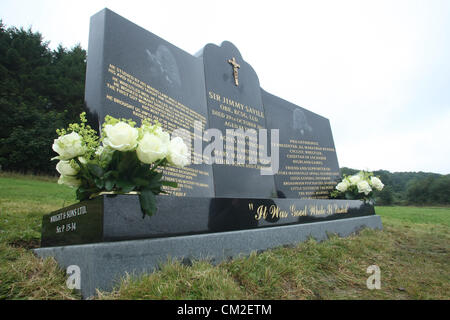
x=220 y=208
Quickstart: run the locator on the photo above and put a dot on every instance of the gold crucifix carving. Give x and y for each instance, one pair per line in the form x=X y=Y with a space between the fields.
x=236 y=66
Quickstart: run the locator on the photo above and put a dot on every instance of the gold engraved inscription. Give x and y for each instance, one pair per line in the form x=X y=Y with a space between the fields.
x=146 y=102
x=273 y=211
x=237 y=115
x=305 y=171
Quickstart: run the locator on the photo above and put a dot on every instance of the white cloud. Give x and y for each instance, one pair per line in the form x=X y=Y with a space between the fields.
x=417 y=149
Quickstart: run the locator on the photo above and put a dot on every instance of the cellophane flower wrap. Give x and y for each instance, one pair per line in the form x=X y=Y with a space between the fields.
x=360 y=186
x=124 y=159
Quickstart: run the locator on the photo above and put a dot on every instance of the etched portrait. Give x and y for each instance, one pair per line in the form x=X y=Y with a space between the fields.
x=164 y=66
x=300 y=122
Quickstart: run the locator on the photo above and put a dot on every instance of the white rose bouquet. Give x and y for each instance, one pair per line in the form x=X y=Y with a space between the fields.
x=125 y=159
x=358 y=186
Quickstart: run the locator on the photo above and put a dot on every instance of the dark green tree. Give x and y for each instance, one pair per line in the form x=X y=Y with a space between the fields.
x=418 y=191
x=439 y=190
x=386 y=196
x=40 y=90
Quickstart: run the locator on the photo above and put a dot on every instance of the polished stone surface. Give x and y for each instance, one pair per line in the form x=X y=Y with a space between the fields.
x=103 y=264
x=114 y=218
x=78 y=223
x=309 y=166
x=134 y=74
x=231 y=107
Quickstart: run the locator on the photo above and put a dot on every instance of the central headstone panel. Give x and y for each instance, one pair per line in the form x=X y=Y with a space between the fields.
x=235 y=105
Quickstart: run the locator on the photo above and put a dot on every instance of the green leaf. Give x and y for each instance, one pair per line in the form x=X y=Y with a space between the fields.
x=156 y=175
x=154 y=186
x=144 y=170
x=109 y=174
x=169 y=184
x=128 y=163
x=81 y=195
x=141 y=182
x=109 y=184
x=143 y=173
x=84 y=194
x=115 y=159
x=99 y=183
x=349 y=196
x=148 y=203
x=128 y=188
x=125 y=186
x=96 y=170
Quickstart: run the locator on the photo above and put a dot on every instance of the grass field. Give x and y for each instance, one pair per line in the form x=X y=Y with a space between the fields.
x=413 y=253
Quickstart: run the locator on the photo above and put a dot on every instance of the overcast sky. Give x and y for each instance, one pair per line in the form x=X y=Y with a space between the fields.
x=379 y=70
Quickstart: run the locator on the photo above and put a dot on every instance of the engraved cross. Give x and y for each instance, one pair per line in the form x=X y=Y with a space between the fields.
x=236 y=66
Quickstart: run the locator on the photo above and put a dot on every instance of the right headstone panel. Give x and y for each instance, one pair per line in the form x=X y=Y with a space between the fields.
x=308 y=163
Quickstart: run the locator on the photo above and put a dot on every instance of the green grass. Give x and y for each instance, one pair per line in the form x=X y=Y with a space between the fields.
x=412 y=251
x=416 y=215
x=23 y=202
x=24 y=199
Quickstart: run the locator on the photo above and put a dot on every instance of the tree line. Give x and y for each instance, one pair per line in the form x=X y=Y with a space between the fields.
x=40 y=90
x=43 y=89
x=410 y=188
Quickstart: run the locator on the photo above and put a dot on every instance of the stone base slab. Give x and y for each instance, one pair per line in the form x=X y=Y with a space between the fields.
x=101 y=265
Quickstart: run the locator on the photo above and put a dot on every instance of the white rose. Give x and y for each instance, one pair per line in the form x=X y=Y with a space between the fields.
x=354 y=179
x=376 y=183
x=68 y=146
x=163 y=135
x=343 y=186
x=70 y=181
x=66 y=169
x=178 y=155
x=121 y=136
x=151 y=148
x=364 y=187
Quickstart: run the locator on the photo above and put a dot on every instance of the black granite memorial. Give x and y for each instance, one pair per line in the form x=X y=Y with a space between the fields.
x=132 y=73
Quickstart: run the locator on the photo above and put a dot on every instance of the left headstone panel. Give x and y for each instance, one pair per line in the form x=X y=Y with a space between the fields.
x=134 y=74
